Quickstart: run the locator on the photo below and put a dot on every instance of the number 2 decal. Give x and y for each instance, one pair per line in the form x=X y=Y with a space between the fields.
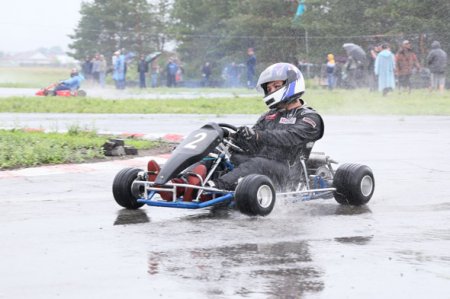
x=199 y=137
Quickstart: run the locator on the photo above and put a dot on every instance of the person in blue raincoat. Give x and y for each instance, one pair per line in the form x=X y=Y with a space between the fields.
x=73 y=83
x=119 y=71
x=384 y=69
x=172 y=69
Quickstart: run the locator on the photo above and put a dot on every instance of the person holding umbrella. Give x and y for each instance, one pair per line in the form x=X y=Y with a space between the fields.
x=151 y=59
x=355 y=64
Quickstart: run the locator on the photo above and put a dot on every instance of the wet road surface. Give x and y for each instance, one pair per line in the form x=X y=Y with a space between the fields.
x=134 y=93
x=63 y=235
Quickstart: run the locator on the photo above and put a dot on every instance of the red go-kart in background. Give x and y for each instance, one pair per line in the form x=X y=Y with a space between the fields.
x=50 y=91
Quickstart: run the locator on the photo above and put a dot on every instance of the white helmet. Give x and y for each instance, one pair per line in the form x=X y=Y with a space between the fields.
x=293 y=88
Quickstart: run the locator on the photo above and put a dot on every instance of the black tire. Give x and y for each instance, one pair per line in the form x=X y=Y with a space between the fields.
x=255 y=195
x=51 y=93
x=354 y=184
x=81 y=93
x=122 y=188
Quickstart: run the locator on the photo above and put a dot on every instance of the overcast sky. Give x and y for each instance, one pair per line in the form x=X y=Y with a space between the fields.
x=29 y=24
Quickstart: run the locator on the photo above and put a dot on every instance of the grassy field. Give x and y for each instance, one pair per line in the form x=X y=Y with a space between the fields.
x=31 y=77
x=338 y=102
x=20 y=148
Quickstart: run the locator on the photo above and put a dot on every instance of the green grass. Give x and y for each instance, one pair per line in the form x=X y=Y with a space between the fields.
x=20 y=148
x=363 y=102
x=337 y=102
x=31 y=77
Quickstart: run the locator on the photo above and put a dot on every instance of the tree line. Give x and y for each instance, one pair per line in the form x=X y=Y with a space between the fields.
x=221 y=31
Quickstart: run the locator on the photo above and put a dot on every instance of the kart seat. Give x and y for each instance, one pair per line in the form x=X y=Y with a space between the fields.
x=307 y=151
x=298 y=168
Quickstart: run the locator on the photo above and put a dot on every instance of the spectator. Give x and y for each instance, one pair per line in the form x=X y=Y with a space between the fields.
x=384 y=69
x=373 y=52
x=331 y=68
x=206 y=74
x=172 y=69
x=114 y=58
x=119 y=71
x=155 y=74
x=102 y=69
x=142 y=70
x=405 y=62
x=350 y=68
x=231 y=75
x=251 y=68
x=437 y=62
x=86 y=68
x=95 y=68
x=179 y=74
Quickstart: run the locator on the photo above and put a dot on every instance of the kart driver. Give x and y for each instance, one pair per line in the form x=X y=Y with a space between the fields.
x=274 y=144
x=73 y=83
x=281 y=135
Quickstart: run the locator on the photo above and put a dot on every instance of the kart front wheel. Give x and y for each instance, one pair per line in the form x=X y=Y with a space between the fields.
x=81 y=93
x=122 y=191
x=255 y=195
x=354 y=184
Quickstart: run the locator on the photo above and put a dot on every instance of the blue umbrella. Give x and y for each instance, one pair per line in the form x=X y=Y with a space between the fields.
x=129 y=56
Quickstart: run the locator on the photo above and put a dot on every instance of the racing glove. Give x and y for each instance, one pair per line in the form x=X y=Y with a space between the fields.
x=246 y=138
x=247 y=133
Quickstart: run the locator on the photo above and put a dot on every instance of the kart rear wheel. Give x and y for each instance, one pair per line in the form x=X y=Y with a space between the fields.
x=81 y=93
x=354 y=184
x=255 y=195
x=122 y=188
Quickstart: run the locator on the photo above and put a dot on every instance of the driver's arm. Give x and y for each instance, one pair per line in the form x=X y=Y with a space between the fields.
x=306 y=129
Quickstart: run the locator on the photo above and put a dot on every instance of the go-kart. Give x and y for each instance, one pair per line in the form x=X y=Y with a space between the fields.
x=50 y=91
x=311 y=177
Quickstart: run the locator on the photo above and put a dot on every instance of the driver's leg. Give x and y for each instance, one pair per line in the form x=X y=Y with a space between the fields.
x=275 y=170
x=61 y=87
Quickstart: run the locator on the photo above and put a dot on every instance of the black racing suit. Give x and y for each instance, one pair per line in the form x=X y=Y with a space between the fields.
x=281 y=139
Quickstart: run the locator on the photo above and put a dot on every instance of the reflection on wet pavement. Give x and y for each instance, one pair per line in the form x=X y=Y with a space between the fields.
x=281 y=270
x=333 y=209
x=357 y=240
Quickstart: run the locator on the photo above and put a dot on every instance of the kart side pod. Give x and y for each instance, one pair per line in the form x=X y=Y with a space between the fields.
x=196 y=145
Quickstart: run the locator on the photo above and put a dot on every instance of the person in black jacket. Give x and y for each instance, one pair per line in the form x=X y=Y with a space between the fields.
x=142 y=70
x=281 y=135
x=437 y=62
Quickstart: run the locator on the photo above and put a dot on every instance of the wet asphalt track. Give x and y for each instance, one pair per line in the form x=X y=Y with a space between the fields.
x=64 y=237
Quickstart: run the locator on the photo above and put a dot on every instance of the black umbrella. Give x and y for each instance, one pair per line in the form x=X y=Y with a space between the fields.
x=355 y=51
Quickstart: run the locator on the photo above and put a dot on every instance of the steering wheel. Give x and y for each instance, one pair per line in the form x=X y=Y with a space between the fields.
x=227 y=129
